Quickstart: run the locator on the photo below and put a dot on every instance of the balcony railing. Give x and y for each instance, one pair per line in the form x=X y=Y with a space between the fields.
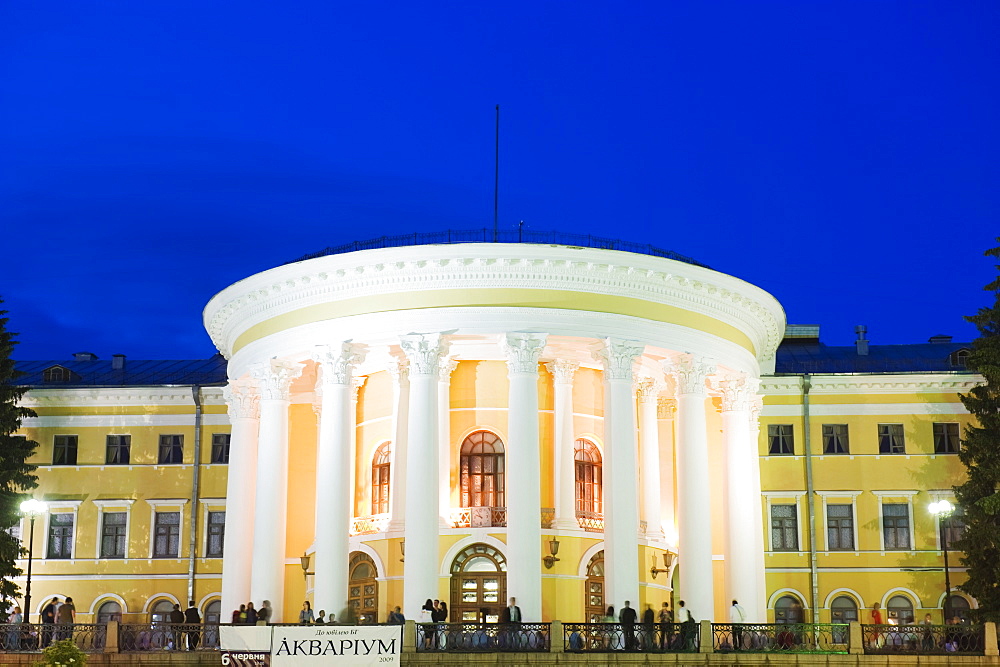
x=483 y=637
x=924 y=639
x=478 y=517
x=140 y=637
x=31 y=637
x=592 y=522
x=780 y=637
x=367 y=525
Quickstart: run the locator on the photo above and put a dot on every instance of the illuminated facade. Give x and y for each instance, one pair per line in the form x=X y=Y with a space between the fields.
x=428 y=421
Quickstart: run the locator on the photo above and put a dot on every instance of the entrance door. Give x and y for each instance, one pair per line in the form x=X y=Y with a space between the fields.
x=363 y=589
x=478 y=585
x=595 y=589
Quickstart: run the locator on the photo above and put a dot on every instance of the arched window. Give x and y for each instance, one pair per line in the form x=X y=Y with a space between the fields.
x=380 y=479
x=56 y=374
x=595 y=588
x=843 y=610
x=362 y=589
x=959 y=606
x=160 y=612
x=788 y=609
x=110 y=611
x=478 y=584
x=899 y=610
x=589 y=496
x=482 y=470
x=212 y=618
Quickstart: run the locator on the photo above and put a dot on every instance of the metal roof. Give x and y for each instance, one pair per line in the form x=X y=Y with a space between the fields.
x=797 y=357
x=136 y=373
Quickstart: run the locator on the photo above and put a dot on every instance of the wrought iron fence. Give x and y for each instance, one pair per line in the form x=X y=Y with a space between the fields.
x=29 y=637
x=483 y=637
x=139 y=637
x=606 y=637
x=780 y=637
x=592 y=522
x=477 y=517
x=924 y=639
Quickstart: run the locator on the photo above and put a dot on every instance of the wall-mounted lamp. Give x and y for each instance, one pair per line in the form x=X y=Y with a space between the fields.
x=667 y=558
x=304 y=562
x=402 y=551
x=551 y=559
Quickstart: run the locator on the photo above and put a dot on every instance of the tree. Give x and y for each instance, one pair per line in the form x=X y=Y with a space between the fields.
x=16 y=474
x=978 y=496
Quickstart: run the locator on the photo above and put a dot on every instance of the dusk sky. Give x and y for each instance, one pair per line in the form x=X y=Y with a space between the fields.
x=844 y=156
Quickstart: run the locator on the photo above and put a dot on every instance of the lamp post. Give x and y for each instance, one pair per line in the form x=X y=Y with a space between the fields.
x=32 y=509
x=943 y=510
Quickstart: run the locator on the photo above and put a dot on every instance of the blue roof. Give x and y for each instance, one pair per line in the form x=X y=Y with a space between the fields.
x=797 y=357
x=136 y=373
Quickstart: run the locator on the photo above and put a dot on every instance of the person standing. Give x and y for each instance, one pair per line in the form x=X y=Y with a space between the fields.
x=306 y=615
x=649 y=628
x=251 y=614
x=737 y=617
x=193 y=619
x=396 y=617
x=510 y=618
x=264 y=613
x=666 y=627
x=427 y=622
x=321 y=617
x=627 y=618
x=15 y=620
x=48 y=620
x=689 y=628
x=66 y=617
x=177 y=626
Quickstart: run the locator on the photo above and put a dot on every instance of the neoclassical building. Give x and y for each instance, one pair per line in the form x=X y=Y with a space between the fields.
x=571 y=426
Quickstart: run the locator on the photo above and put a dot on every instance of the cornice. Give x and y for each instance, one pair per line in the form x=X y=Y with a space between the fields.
x=395 y=270
x=922 y=383
x=118 y=396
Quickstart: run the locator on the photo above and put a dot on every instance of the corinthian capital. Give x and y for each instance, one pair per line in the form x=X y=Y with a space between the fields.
x=690 y=373
x=275 y=377
x=737 y=391
x=424 y=352
x=399 y=369
x=562 y=370
x=243 y=398
x=338 y=361
x=618 y=357
x=523 y=351
x=445 y=368
x=648 y=389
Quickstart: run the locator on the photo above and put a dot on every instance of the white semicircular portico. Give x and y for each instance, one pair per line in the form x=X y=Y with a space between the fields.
x=537 y=346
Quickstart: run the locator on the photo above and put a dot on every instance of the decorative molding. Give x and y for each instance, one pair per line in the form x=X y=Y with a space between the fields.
x=562 y=370
x=95 y=397
x=243 y=398
x=690 y=373
x=871 y=409
x=618 y=358
x=666 y=407
x=523 y=351
x=275 y=377
x=356 y=384
x=445 y=368
x=338 y=361
x=648 y=389
x=738 y=391
x=424 y=352
x=873 y=383
x=399 y=369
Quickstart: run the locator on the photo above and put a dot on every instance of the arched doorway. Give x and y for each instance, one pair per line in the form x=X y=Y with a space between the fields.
x=899 y=610
x=110 y=611
x=843 y=610
x=212 y=617
x=589 y=484
x=595 y=588
x=160 y=612
x=362 y=589
x=380 y=478
x=478 y=585
x=788 y=609
x=482 y=478
x=959 y=606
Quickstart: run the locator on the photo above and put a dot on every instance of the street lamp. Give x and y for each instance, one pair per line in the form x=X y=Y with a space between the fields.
x=32 y=509
x=943 y=510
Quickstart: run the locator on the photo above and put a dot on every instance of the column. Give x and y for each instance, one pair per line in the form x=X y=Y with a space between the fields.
x=334 y=493
x=267 y=578
x=445 y=370
x=648 y=390
x=621 y=484
x=666 y=412
x=523 y=478
x=695 y=520
x=243 y=398
x=356 y=384
x=742 y=493
x=420 y=570
x=756 y=403
x=397 y=477
x=565 y=443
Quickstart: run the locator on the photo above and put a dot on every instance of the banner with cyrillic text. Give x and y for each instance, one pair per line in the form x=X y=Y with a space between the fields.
x=312 y=645
x=245 y=645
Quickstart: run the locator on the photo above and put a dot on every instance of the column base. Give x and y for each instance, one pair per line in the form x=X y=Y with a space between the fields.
x=395 y=526
x=565 y=524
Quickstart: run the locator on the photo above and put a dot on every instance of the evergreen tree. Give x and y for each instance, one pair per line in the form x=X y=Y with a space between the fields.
x=978 y=496
x=16 y=474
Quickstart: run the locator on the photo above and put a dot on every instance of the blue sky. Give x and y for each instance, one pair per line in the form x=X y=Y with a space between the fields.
x=841 y=155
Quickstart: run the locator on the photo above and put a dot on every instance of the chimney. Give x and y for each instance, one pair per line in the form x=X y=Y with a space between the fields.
x=117 y=362
x=939 y=339
x=861 y=342
x=85 y=356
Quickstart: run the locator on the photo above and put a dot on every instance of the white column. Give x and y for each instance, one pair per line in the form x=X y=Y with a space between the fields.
x=621 y=484
x=648 y=390
x=334 y=494
x=756 y=403
x=356 y=384
x=742 y=493
x=445 y=370
x=693 y=496
x=397 y=471
x=243 y=399
x=420 y=570
x=523 y=477
x=564 y=462
x=666 y=412
x=267 y=578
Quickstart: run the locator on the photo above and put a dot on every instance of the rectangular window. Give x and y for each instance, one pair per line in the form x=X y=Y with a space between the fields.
x=835 y=439
x=954 y=527
x=119 y=449
x=946 y=438
x=64 y=450
x=167 y=535
x=784 y=528
x=171 y=449
x=216 y=534
x=840 y=527
x=890 y=439
x=896 y=526
x=220 y=447
x=113 y=525
x=780 y=438
x=60 y=535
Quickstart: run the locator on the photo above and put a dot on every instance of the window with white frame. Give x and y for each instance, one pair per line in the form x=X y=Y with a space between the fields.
x=216 y=534
x=784 y=528
x=166 y=535
x=60 y=535
x=840 y=526
x=114 y=534
x=890 y=439
x=896 y=526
